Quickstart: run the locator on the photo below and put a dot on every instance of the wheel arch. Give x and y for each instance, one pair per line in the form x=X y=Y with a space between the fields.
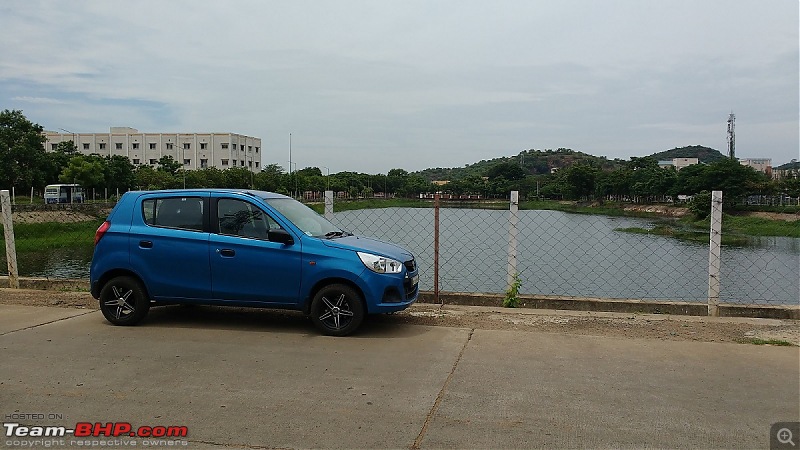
x=327 y=282
x=111 y=274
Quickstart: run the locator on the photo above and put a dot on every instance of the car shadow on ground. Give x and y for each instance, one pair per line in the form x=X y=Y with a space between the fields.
x=268 y=320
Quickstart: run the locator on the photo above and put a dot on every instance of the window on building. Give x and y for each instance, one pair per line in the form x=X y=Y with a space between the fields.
x=224 y=162
x=234 y=146
x=153 y=161
x=256 y=149
x=86 y=146
x=256 y=164
x=118 y=145
x=224 y=145
x=250 y=148
x=53 y=147
x=203 y=163
x=242 y=163
x=136 y=161
x=250 y=164
x=186 y=162
x=203 y=146
x=152 y=146
x=169 y=146
x=102 y=146
x=187 y=146
x=136 y=146
x=234 y=163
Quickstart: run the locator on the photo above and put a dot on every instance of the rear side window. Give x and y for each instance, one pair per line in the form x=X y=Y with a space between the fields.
x=174 y=212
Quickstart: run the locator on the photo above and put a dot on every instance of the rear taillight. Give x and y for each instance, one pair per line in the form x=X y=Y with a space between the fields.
x=101 y=231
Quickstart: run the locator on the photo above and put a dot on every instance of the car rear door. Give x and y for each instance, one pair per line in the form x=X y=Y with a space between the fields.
x=169 y=245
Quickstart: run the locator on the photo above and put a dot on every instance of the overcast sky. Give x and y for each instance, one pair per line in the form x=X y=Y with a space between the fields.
x=372 y=85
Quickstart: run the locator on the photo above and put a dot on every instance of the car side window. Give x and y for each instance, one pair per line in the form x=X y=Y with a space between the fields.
x=240 y=218
x=174 y=212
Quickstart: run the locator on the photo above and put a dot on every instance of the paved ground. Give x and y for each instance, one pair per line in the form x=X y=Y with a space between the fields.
x=260 y=379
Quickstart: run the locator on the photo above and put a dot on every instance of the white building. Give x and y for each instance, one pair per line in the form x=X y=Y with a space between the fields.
x=679 y=163
x=194 y=150
x=763 y=165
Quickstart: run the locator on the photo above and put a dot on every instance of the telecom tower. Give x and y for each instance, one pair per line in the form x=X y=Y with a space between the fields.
x=731 y=136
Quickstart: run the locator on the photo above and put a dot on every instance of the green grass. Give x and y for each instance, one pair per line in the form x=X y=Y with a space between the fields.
x=758 y=226
x=757 y=341
x=33 y=237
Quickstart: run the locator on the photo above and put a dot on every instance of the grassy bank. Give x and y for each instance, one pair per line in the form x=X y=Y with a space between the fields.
x=735 y=229
x=32 y=237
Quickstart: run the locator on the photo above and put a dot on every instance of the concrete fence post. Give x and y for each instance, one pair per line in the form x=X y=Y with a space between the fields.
x=436 y=248
x=513 y=230
x=714 y=253
x=11 y=248
x=329 y=205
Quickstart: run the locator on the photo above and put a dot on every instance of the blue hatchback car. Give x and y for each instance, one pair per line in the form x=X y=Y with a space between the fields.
x=243 y=248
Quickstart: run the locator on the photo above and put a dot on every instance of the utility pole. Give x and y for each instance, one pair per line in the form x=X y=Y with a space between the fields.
x=731 y=136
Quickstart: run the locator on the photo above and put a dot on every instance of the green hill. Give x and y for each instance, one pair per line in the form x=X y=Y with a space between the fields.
x=704 y=154
x=533 y=162
x=539 y=162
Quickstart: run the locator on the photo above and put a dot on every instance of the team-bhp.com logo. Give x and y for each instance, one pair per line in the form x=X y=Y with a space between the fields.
x=97 y=429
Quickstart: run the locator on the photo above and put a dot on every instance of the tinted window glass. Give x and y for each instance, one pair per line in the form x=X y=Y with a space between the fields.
x=178 y=212
x=240 y=218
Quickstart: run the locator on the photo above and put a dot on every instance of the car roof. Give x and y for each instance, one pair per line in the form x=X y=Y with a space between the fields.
x=253 y=192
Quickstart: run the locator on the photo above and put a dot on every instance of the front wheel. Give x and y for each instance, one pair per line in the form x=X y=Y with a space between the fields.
x=124 y=301
x=337 y=310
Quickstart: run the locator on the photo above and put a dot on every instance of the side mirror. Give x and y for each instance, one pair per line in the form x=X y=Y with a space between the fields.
x=280 y=235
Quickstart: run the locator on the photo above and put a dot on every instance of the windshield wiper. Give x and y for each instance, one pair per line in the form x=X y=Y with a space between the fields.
x=336 y=234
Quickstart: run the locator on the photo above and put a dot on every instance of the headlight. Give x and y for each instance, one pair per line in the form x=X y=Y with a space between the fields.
x=380 y=264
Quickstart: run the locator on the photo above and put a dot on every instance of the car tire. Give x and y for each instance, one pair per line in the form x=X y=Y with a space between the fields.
x=337 y=310
x=124 y=301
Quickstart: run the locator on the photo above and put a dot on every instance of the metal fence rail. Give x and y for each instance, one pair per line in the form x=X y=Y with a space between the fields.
x=553 y=253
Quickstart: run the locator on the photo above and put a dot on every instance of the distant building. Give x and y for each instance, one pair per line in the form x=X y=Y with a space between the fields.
x=763 y=165
x=679 y=163
x=788 y=170
x=193 y=150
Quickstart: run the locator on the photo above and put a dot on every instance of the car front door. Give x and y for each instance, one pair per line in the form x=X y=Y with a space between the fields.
x=245 y=265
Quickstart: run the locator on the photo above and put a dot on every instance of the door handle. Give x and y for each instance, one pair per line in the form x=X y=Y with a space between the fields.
x=226 y=252
x=145 y=244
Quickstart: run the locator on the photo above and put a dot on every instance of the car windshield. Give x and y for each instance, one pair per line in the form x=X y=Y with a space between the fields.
x=305 y=218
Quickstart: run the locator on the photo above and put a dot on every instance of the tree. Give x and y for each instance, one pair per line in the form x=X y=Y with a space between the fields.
x=119 y=173
x=511 y=171
x=88 y=171
x=23 y=162
x=168 y=164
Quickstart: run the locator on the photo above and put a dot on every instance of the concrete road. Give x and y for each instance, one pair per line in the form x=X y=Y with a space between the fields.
x=258 y=379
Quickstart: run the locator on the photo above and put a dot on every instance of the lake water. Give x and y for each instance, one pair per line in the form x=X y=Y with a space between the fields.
x=581 y=255
x=558 y=254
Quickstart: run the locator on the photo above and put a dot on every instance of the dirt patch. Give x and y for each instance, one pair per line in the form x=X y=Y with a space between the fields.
x=662 y=210
x=50 y=216
x=622 y=325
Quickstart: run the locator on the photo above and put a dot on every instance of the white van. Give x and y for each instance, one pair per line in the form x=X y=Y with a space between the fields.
x=63 y=193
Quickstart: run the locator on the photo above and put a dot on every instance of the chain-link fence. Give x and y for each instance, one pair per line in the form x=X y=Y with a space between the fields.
x=585 y=256
x=554 y=253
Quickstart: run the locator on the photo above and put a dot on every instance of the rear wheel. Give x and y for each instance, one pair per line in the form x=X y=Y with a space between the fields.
x=123 y=301
x=337 y=310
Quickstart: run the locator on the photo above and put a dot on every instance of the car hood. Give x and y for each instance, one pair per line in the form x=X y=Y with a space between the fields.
x=366 y=244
